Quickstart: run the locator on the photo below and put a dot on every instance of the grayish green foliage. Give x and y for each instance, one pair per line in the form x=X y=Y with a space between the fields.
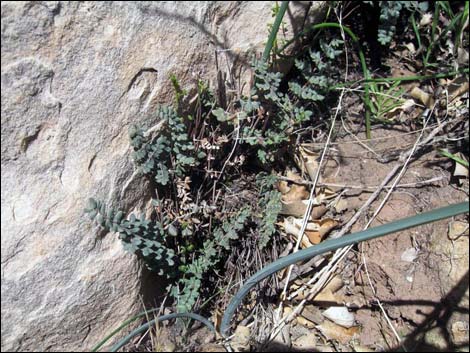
x=270 y=206
x=139 y=236
x=167 y=155
x=149 y=240
x=390 y=12
x=173 y=249
x=292 y=109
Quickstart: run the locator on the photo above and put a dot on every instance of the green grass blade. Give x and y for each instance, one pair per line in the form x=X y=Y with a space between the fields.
x=274 y=30
x=454 y=157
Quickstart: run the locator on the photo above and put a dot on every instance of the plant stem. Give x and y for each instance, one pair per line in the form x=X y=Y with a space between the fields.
x=274 y=30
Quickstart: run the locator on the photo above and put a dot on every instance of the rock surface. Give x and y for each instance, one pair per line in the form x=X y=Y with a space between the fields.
x=74 y=75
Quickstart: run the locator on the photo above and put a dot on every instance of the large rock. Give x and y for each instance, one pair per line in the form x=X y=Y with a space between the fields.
x=74 y=76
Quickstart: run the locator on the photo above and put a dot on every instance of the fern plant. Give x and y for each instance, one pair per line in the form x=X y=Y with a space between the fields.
x=291 y=109
x=187 y=289
x=164 y=249
x=270 y=206
x=390 y=12
x=169 y=154
x=140 y=236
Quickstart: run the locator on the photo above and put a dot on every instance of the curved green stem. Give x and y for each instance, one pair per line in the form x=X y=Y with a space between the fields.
x=122 y=326
x=144 y=327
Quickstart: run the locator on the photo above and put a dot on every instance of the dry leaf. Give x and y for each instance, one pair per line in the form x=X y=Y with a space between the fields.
x=458 y=87
x=318 y=212
x=212 y=347
x=426 y=19
x=326 y=225
x=217 y=319
x=315 y=230
x=460 y=332
x=305 y=243
x=425 y=98
x=360 y=348
x=325 y=193
x=298 y=208
x=335 y=284
x=405 y=107
x=341 y=205
x=306 y=342
x=296 y=193
x=457 y=228
x=309 y=162
x=293 y=176
x=241 y=340
x=460 y=170
x=287 y=311
x=336 y=332
x=283 y=187
x=304 y=322
x=462 y=56
x=312 y=313
x=314 y=237
x=411 y=47
x=327 y=297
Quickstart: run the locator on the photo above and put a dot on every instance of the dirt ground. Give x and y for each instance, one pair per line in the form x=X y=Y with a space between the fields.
x=426 y=295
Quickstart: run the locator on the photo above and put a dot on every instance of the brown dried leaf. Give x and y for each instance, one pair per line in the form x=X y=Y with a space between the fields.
x=309 y=162
x=241 y=340
x=305 y=243
x=341 y=205
x=296 y=193
x=458 y=87
x=314 y=237
x=312 y=313
x=457 y=228
x=291 y=229
x=293 y=176
x=306 y=342
x=297 y=209
x=335 y=284
x=327 y=297
x=217 y=319
x=304 y=322
x=338 y=333
x=326 y=225
x=425 y=98
x=283 y=187
x=315 y=230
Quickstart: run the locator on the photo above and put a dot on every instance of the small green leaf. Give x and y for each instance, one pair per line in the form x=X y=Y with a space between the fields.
x=91 y=205
x=118 y=217
x=172 y=230
x=100 y=220
x=220 y=114
x=92 y=214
